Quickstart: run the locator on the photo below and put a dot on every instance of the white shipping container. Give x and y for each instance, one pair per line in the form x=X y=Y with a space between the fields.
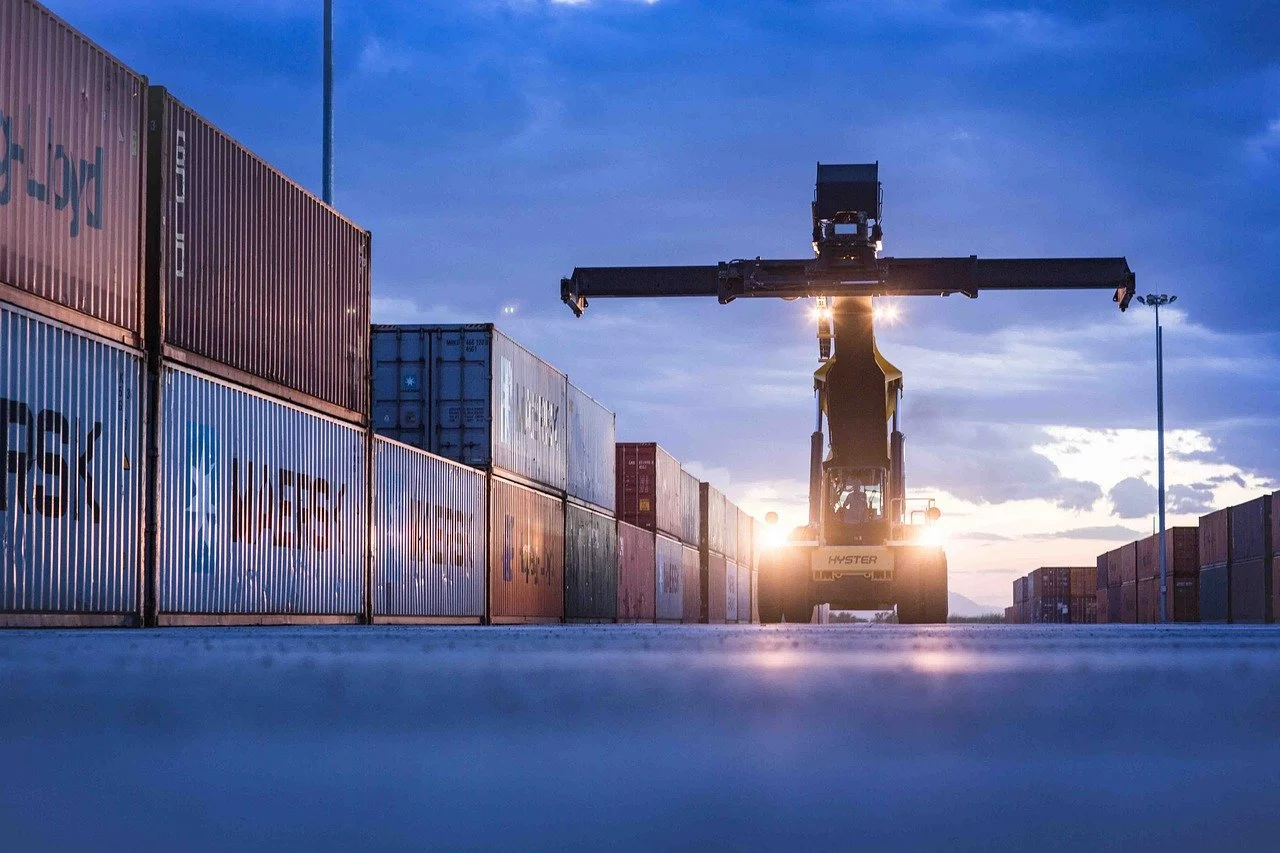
x=670 y=579
x=592 y=464
x=429 y=535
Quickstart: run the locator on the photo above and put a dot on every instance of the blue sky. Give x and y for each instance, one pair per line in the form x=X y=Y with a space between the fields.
x=492 y=145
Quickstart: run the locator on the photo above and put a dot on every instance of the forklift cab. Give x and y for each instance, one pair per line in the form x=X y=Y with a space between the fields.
x=854 y=512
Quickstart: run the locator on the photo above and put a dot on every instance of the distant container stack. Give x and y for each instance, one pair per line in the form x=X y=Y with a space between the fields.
x=1215 y=558
x=1182 y=562
x=1250 y=583
x=1055 y=595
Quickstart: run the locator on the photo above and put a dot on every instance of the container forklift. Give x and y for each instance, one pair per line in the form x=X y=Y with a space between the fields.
x=864 y=547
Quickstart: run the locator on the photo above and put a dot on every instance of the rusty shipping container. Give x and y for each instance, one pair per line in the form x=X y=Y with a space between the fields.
x=261 y=507
x=71 y=473
x=1102 y=572
x=590 y=565
x=1215 y=594
x=1083 y=610
x=1182 y=553
x=712 y=514
x=526 y=554
x=1126 y=558
x=591 y=465
x=471 y=394
x=691 y=568
x=1215 y=538
x=690 y=515
x=1115 y=605
x=1184 y=599
x=249 y=276
x=72 y=158
x=1084 y=580
x=429 y=536
x=1148 y=600
x=648 y=482
x=715 y=573
x=1129 y=603
x=1251 y=529
x=637 y=564
x=670 y=579
x=744 y=594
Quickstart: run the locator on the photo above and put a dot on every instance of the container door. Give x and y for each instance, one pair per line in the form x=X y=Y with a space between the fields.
x=461 y=394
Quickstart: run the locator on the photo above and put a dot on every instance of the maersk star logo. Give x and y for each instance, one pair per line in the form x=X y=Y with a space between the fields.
x=202 y=487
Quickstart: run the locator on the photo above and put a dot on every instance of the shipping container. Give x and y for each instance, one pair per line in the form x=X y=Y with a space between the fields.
x=637 y=567
x=471 y=394
x=690 y=516
x=1251 y=529
x=71 y=471
x=730 y=592
x=1102 y=571
x=746 y=550
x=252 y=277
x=1215 y=592
x=755 y=596
x=430 y=551
x=590 y=565
x=1275 y=524
x=526 y=554
x=1084 y=610
x=730 y=531
x=1275 y=587
x=1182 y=553
x=648 y=484
x=1129 y=602
x=1215 y=538
x=72 y=158
x=1009 y=615
x=691 y=568
x=1184 y=599
x=1020 y=590
x=592 y=464
x=1250 y=589
x=711 y=510
x=744 y=594
x=1115 y=605
x=1126 y=558
x=670 y=580
x=261 y=506
x=1148 y=600
x=717 y=583
x=1084 y=581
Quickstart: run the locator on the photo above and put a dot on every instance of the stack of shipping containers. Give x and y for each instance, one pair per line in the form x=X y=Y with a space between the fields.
x=1215 y=555
x=694 y=600
x=72 y=365
x=650 y=526
x=1103 y=612
x=1055 y=595
x=470 y=394
x=1182 y=564
x=1250 y=563
x=590 y=529
x=1083 y=606
x=258 y=341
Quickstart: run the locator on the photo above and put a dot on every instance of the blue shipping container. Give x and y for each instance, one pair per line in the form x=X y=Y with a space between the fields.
x=71 y=468
x=592 y=461
x=471 y=394
x=261 y=504
x=429 y=535
x=670 y=579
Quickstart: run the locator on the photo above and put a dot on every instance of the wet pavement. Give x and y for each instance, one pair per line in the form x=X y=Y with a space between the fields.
x=642 y=737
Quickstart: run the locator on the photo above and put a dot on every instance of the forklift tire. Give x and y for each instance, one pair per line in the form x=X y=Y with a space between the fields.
x=921 y=581
x=783 y=588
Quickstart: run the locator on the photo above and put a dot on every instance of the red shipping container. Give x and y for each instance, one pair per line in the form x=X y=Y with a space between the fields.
x=1182 y=553
x=1102 y=572
x=648 y=483
x=637 y=574
x=254 y=279
x=1215 y=538
x=716 y=583
x=1148 y=601
x=526 y=554
x=1084 y=581
x=1127 y=559
x=1251 y=529
x=691 y=564
x=72 y=167
x=1129 y=603
x=1184 y=599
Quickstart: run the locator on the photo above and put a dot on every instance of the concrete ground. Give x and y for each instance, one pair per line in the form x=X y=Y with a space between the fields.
x=642 y=738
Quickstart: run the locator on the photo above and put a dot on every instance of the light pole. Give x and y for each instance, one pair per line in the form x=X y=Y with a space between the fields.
x=1156 y=301
x=328 y=103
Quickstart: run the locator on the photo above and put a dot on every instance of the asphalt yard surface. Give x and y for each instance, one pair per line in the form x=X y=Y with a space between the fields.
x=642 y=737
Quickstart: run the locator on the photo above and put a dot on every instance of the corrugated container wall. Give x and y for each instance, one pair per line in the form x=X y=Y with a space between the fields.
x=1251 y=529
x=1215 y=538
x=429 y=535
x=746 y=551
x=471 y=394
x=716 y=586
x=730 y=530
x=730 y=592
x=648 y=483
x=744 y=594
x=526 y=553
x=590 y=565
x=1215 y=594
x=71 y=470
x=690 y=517
x=72 y=157
x=1103 y=568
x=670 y=580
x=637 y=563
x=592 y=467
x=1127 y=557
x=261 y=505
x=691 y=568
x=712 y=511
x=249 y=271
x=1181 y=553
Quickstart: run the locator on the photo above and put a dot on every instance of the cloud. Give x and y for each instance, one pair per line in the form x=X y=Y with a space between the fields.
x=1193 y=499
x=1265 y=146
x=379 y=59
x=1133 y=497
x=1109 y=533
